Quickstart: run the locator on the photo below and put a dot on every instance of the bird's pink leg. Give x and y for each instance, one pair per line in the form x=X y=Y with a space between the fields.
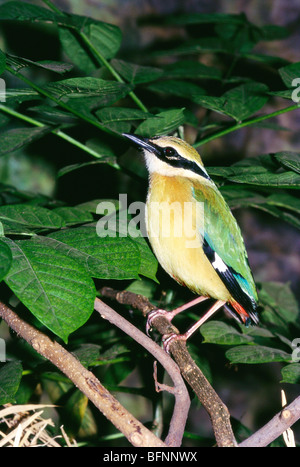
x=169 y=315
x=195 y=326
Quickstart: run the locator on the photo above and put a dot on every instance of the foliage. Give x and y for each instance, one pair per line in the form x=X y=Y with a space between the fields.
x=52 y=260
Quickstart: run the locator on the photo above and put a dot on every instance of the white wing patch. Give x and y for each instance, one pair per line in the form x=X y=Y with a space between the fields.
x=219 y=264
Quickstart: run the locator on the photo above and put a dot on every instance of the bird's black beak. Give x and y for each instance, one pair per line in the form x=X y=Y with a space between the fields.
x=143 y=143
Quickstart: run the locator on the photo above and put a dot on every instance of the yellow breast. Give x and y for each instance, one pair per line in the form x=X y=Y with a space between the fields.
x=175 y=223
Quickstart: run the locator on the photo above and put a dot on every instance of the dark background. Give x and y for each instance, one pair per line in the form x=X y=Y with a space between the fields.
x=273 y=246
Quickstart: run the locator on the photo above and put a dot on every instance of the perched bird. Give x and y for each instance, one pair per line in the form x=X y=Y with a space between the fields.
x=193 y=233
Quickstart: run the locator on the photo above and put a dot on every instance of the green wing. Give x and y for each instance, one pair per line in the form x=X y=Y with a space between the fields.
x=224 y=246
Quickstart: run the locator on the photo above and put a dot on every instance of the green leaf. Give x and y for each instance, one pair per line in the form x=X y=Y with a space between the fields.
x=178 y=88
x=286 y=94
x=284 y=200
x=240 y=102
x=202 y=18
x=251 y=354
x=104 y=153
x=72 y=167
x=127 y=226
x=17 y=96
x=53 y=286
x=116 y=114
x=10 y=378
x=75 y=406
x=5 y=260
x=18 y=63
x=16 y=138
x=291 y=373
x=289 y=159
x=73 y=215
x=118 y=118
x=143 y=287
x=217 y=332
x=265 y=178
x=283 y=215
x=237 y=198
x=270 y=60
x=163 y=123
x=88 y=354
x=136 y=74
x=148 y=266
x=280 y=298
x=105 y=39
x=120 y=371
x=53 y=115
x=91 y=206
x=76 y=52
x=21 y=11
x=289 y=73
x=191 y=69
x=23 y=218
x=270 y=126
x=110 y=257
x=262 y=171
x=109 y=91
x=114 y=353
x=197 y=46
x=274 y=32
x=245 y=100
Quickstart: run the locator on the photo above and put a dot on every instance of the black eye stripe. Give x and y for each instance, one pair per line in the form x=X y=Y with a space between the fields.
x=182 y=163
x=177 y=160
x=173 y=158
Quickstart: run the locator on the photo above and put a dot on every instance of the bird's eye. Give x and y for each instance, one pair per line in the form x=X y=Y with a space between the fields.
x=170 y=153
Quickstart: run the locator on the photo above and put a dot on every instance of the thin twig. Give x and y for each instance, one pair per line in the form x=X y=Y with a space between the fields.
x=215 y=407
x=275 y=427
x=243 y=124
x=182 y=399
x=137 y=434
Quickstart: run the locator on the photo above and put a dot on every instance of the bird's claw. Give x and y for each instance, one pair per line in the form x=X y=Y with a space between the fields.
x=169 y=338
x=152 y=315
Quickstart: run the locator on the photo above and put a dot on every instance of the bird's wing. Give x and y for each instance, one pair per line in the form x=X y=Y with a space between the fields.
x=224 y=247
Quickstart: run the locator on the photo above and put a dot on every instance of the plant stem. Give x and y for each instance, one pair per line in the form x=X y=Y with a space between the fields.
x=48 y=94
x=55 y=131
x=53 y=7
x=16 y=114
x=221 y=133
x=102 y=60
x=99 y=57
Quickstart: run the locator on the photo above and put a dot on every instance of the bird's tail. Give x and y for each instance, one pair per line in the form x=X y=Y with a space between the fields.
x=241 y=315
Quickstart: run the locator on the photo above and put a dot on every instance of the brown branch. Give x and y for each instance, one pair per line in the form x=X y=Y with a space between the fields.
x=215 y=407
x=182 y=399
x=275 y=427
x=136 y=433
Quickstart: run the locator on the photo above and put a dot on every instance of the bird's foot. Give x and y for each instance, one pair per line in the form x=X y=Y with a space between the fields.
x=184 y=337
x=154 y=314
x=169 y=338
